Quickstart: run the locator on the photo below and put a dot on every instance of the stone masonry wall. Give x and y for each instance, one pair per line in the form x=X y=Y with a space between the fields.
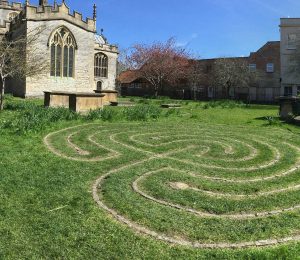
x=289 y=26
x=83 y=80
x=108 y=83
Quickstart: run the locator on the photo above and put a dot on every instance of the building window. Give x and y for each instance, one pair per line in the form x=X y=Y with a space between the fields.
x=62 y=45
x=298 y=91
x=12 y=16
x=99 y=85
x=101 y=65
x=270 y=67
x=252 y=67
x=292 y=38
x=288 y=91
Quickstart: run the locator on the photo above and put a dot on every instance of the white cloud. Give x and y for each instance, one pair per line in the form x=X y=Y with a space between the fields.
x=189 y=39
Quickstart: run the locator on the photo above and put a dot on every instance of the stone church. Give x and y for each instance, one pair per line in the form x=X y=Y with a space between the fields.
x=80 y=60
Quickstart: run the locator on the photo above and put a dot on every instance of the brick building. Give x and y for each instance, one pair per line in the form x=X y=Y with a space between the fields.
x=265 y=62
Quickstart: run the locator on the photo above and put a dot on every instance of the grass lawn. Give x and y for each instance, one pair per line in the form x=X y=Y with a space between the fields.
x=206 y=181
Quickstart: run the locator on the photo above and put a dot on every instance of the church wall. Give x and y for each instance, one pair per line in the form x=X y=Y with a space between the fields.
x=83 y=80
x=108 y=83
x=4 y=14
x=17 y=86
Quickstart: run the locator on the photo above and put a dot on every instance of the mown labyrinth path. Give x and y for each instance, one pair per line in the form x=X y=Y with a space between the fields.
x=195 y=185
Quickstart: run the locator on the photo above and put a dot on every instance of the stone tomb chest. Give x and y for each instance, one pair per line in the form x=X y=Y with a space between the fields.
x=79 y=102
x=111 y=96
x=288 y=106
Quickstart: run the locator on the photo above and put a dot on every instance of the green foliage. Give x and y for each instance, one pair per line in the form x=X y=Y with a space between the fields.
x=172 y=112
x=105 y=114
x=273 y=121
x=48 y=212
x=144 y=101
x=35 y=118
x=142 y=112
x=24 y=116
x=31 y=116
x=224 y=104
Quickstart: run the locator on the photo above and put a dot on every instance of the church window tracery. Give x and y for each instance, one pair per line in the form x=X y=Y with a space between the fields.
x=101 y=65
x=12 y=16
x=62 y=45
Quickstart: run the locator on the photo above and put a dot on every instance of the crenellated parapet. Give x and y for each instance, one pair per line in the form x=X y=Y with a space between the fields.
x=14 y=6
x=4 y=28
x=8 y=12
x=59 y=12
x=101 y=44
x=106 y=47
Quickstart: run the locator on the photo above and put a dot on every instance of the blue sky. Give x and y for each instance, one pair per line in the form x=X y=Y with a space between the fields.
x=208 y=28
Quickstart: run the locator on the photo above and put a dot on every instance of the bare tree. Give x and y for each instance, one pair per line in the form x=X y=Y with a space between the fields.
x=159 y=63
x=19 y=59
x=232 y=72
x=122 y=64
x=195 y=74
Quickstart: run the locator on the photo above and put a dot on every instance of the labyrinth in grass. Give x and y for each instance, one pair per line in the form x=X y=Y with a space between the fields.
x=193 y=185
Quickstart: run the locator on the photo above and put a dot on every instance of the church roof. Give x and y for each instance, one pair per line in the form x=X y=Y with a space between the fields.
x=128 y=76
x=100 y=39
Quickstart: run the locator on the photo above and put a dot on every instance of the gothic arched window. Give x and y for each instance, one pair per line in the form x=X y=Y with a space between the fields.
x=101 y=65
x=12 y=15
x=99 y=85
x=62 y=44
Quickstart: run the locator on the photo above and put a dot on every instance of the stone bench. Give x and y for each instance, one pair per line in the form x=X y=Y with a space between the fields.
x=79 y=102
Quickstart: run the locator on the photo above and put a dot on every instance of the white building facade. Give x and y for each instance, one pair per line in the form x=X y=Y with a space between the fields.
x=289 y=53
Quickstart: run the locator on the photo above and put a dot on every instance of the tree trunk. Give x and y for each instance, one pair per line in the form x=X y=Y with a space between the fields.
x=161 y=88
x=248 y=97
x=156 y=91
x=228 y=92
x=2 y=95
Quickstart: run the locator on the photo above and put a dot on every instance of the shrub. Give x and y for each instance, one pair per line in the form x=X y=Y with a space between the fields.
x=224 y=104
x=38 y=118
x=105 y=114
x=172 y=111
x=144 y=101
x=142 y=112
x=18 y=104
x=273 y=121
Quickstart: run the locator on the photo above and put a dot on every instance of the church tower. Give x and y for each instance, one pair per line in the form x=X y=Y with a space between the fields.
x=4 y=2
x=43 y=2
